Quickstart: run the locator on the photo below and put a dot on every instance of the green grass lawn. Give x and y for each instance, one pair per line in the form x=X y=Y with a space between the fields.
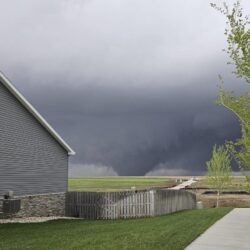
x=174 y=231
x=117 y=183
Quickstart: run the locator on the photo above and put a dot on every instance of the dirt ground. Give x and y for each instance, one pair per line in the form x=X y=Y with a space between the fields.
x=225 y=200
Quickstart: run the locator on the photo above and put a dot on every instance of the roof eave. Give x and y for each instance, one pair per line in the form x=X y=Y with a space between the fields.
x=36 y=114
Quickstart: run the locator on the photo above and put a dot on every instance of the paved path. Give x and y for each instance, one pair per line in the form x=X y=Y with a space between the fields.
x=232 y=232
x=184 y=184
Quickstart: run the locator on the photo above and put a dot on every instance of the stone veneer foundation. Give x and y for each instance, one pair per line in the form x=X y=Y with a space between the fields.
x=41 y=205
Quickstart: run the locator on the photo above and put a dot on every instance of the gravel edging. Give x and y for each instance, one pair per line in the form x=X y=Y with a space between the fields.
x=34 y=219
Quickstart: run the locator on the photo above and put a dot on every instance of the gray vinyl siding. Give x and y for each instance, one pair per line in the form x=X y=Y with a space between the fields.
x=31 y=160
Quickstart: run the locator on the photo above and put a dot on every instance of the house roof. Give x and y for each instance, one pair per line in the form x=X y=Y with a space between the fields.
x=4 y=80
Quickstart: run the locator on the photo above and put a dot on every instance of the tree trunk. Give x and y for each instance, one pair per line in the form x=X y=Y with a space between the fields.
x=217 y=200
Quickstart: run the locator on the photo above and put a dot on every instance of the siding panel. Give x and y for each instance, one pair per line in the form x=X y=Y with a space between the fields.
x=31 y=160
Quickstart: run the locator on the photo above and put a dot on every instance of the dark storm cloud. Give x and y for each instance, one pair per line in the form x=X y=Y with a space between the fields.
x=129 y=84
x=135 y=130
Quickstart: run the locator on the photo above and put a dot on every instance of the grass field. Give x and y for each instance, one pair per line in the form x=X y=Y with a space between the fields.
x=173 y=232
x=142 y=182
x=237 y=183
x=117 y=183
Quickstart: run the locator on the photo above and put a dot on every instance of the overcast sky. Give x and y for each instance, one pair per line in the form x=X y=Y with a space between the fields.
x=129 y=84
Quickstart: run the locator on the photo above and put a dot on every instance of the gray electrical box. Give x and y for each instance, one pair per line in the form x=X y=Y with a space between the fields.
x=11 y=206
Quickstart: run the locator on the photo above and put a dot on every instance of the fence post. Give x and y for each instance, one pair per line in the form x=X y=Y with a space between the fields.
x=152 y=202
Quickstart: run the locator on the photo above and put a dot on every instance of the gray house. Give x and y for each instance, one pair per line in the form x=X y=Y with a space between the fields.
x=33 y=156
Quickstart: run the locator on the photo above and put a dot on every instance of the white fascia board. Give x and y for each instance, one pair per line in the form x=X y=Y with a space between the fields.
x=35 y=113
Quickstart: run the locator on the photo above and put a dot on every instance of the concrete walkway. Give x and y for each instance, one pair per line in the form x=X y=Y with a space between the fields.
x=184 y=184
x=232 y=232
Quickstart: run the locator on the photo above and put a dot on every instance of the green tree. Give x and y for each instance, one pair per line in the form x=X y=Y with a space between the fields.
x=219 y=171
x=238 y=39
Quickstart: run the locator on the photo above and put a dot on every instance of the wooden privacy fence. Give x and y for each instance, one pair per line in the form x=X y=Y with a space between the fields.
x=129 y=204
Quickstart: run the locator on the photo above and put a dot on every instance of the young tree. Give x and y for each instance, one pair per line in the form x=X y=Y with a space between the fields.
x=219 y=171
x=238 y=39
